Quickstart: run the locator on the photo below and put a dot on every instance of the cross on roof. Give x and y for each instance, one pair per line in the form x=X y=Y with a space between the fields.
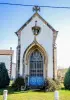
x=36 y=8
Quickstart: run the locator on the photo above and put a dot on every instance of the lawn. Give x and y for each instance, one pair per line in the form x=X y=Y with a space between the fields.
x=32 y=95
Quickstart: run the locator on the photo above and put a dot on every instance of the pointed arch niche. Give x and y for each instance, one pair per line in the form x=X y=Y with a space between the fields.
x=26 y=58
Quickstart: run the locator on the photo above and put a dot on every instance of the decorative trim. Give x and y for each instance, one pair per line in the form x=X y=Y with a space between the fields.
x=10 y=66
x=35 y=14
x=54 y=56
x=35 y=45
x=18 y=60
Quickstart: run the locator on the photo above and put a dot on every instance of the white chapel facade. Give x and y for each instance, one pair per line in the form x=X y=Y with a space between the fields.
x=36 y=50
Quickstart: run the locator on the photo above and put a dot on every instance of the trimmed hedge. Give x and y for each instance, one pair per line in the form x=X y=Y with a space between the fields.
x=18 y=83
x=4 y=78
x=67 y=80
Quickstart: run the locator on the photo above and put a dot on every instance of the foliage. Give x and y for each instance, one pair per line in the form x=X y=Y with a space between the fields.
x=4 y=78
x=58 y=83
x=67 y=80
x=18 y=83
x=52 y=85
x=61 y=74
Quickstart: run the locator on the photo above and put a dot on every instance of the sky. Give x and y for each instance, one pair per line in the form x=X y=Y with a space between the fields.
x=13 y=17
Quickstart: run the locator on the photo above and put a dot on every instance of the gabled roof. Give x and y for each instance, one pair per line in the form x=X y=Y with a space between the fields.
x=35 y=14
x=6 y=52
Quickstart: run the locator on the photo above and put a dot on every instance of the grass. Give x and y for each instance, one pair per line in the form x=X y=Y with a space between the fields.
x=35 y=95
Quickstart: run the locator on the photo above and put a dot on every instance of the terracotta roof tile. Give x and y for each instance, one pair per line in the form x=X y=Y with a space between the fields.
x=6 y=52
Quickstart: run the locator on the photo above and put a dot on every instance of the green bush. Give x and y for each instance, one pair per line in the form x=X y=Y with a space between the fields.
x=51 y=85
x=18 y=83
x=67 y=80
x=4 y=78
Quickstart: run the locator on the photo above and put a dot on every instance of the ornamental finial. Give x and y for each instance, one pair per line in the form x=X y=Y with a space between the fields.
x=36 y=8
x=36 y=29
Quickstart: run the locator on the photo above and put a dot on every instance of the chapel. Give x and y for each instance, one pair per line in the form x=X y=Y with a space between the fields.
x=36 y=54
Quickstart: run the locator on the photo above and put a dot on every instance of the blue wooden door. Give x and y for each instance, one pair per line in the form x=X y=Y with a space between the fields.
x=36 y=81
x=36 y=69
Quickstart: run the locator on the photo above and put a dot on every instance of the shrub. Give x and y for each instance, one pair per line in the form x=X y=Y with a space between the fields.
x=67 y=80
x=4 y=78
x=18 y=83
x=51 y=85
x=58 y=83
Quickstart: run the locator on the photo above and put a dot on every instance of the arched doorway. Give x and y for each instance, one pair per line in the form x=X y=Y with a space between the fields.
x=36 y=63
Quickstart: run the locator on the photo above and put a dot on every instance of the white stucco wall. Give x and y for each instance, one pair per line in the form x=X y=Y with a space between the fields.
x=6 y=60
x=45 y=38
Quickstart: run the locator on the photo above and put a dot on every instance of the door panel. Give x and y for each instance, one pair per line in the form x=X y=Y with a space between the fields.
x=36 y=69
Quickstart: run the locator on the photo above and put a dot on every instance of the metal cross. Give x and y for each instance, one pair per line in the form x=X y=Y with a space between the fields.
x=36 y=8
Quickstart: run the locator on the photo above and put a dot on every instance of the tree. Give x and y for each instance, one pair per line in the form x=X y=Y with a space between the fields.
x=67 y=79
x=4 y=78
